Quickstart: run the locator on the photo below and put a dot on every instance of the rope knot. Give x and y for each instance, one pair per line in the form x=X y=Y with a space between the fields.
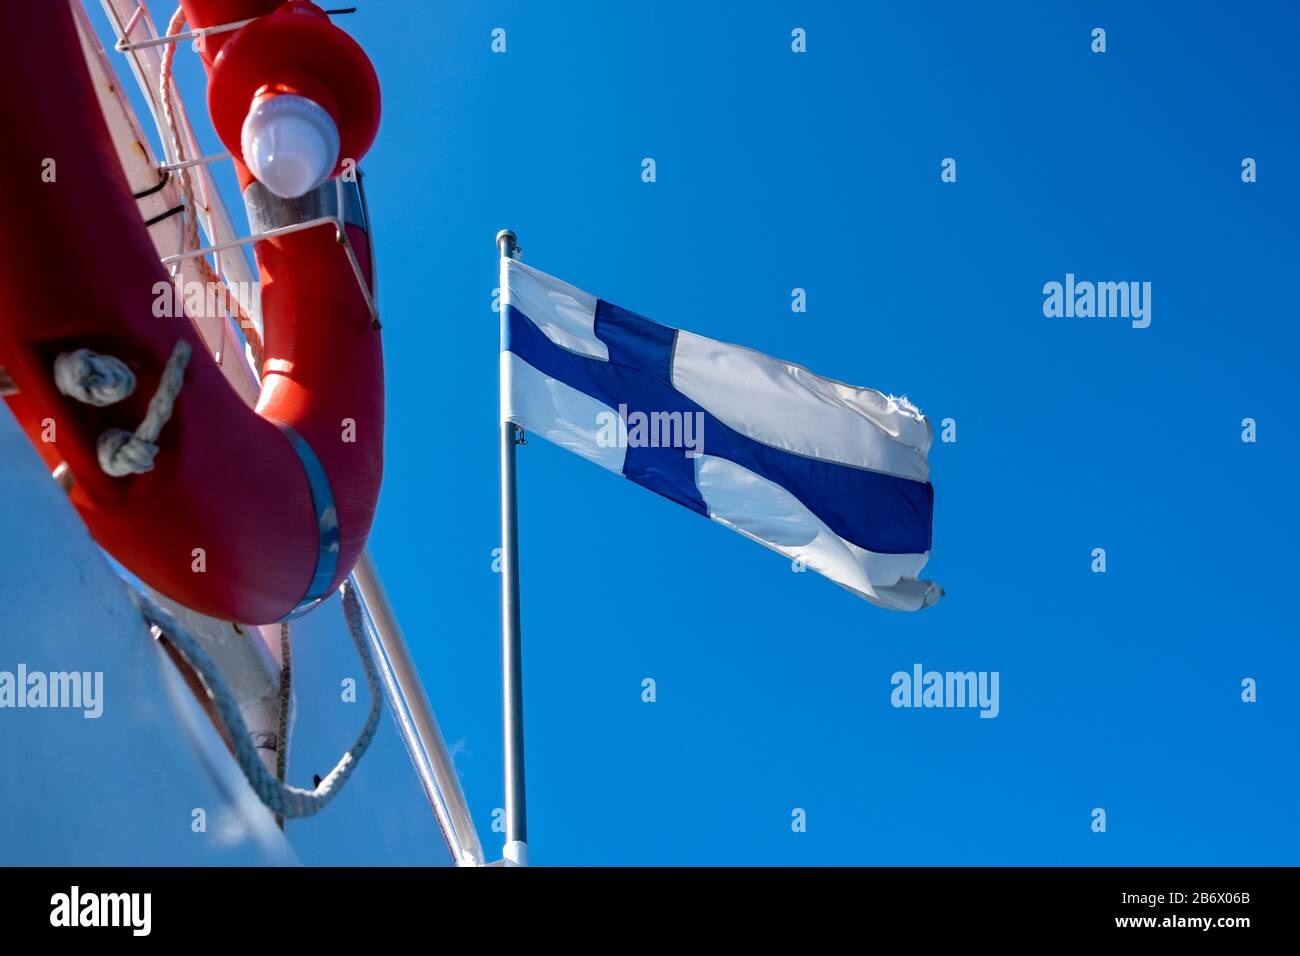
x=92 y=378
x=123 y=453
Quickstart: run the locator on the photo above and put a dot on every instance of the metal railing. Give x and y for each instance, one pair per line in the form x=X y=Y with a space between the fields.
x=340 y=234
x=415 y=719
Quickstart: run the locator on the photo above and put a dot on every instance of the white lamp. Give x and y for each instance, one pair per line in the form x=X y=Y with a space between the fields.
x=289 y=143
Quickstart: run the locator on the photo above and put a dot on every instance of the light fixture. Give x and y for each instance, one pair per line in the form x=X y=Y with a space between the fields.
x=290 y=143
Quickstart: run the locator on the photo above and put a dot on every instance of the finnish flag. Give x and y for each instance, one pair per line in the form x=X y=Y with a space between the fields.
x=827 y=474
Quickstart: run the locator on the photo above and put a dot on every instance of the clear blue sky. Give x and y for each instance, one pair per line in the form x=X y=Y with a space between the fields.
x=822 y=171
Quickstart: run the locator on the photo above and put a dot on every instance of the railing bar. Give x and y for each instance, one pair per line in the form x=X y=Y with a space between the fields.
x=123 y=47
x=135 y=18
x=201 y=161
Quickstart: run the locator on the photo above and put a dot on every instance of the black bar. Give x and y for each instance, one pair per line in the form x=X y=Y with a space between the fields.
x=319 y=908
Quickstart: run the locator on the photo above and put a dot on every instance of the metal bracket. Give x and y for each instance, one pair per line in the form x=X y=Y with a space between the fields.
x=340 y=234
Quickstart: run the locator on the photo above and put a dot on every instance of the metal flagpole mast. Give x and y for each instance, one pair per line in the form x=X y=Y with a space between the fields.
x=512 y=678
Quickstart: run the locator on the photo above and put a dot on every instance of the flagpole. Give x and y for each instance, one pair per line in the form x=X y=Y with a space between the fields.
x=512 y=678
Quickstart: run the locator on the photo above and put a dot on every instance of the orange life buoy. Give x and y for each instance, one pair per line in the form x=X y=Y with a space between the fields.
x=248 y=514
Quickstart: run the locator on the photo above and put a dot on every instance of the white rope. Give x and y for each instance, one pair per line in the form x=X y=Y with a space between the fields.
x=189 y=238
x=280 y=798
x=123 y=453
x=93 y=378
x=286 y=705
x=190 y=234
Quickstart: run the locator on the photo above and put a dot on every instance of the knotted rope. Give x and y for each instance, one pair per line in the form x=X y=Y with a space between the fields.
x=124 y=453
x=92 y=378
